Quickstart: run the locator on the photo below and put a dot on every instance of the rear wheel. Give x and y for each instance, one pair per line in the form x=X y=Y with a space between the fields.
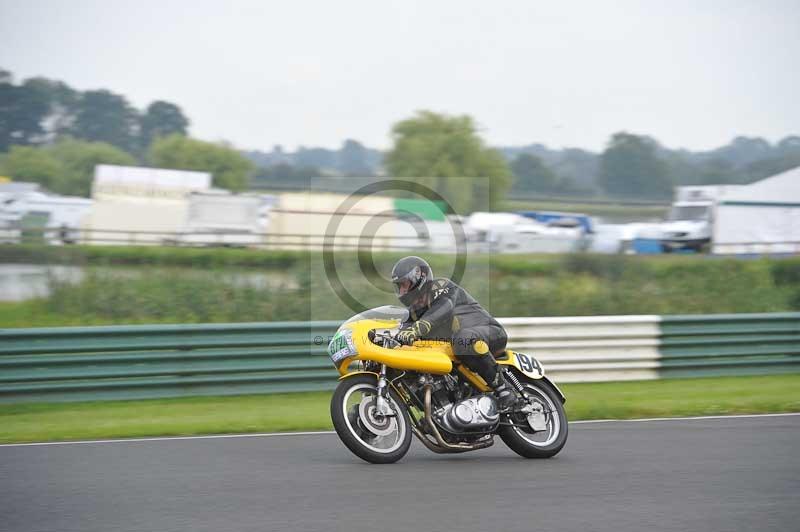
x=541 y=433
x=379 y=437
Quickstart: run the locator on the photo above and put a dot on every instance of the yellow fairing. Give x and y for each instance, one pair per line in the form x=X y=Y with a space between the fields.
x=424 y=357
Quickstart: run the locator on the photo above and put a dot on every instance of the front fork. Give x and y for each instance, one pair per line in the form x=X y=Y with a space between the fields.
x=381 y=405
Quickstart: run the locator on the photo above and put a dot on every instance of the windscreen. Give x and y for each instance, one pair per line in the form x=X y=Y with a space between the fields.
x=386 y=312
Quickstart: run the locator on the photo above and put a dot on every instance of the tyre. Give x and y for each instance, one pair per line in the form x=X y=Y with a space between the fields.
x=530 y=443
x=370 y=435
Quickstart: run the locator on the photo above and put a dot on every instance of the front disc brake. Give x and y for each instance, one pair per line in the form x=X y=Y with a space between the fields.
x=372 y=420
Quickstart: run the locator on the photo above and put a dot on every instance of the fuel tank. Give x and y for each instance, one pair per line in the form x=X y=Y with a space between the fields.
x=423 y=356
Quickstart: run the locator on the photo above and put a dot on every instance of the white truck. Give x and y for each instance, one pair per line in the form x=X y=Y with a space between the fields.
x=219 y=218
x=689 y=225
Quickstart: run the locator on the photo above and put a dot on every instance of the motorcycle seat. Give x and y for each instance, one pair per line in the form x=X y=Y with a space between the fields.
x=502 y=355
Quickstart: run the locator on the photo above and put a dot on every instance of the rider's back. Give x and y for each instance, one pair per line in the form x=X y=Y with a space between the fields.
x=451 y=309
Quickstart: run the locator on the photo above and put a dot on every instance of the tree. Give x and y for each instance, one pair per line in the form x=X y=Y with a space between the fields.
x=439 y=151
x=22 y=111
x=107 y=117
x=532 y=175
x=716 y=172
x=316 y=157
x=353 y=159
x=577 y=169
x=66 y=167
x=630 y=167
x=161 y=119
x=62 y=101
x=229 y=168
x=34 y=165
x=78 y=159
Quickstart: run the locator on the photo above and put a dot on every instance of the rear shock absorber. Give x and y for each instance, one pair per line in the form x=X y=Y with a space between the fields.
x=515 y=383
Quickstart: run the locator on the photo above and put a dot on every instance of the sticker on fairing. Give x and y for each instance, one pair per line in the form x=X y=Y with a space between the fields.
x=342 y=346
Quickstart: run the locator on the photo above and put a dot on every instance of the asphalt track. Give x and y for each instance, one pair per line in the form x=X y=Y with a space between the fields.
x=682 y=475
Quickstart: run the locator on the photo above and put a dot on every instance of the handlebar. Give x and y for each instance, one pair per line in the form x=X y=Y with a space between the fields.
x=387 y=340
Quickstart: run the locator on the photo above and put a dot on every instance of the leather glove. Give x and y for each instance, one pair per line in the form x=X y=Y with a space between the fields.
x=406 y=336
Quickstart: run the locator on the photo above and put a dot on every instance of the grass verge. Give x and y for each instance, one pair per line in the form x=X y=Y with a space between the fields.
x=309 y=411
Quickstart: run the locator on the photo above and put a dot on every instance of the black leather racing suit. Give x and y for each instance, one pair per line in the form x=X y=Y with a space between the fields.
x=451 y=314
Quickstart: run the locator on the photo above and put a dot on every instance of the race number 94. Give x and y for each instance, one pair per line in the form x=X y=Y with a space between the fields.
x=528 y=364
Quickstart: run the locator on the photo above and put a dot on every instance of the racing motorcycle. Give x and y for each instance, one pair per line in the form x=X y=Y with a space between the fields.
x=387 y=392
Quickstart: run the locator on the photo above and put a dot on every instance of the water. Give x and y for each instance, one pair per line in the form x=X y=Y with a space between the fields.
x=21 y=282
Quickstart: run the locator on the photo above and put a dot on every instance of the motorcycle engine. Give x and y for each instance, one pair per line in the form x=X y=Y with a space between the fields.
x=473 y=414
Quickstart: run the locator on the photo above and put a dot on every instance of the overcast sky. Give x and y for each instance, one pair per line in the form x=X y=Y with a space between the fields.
x=692 y=74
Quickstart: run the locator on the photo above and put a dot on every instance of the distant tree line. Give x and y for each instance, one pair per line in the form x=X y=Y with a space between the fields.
x=39 y=110
x=279 y=168
x=631 y=166
x=54 y=135
x=637 y=166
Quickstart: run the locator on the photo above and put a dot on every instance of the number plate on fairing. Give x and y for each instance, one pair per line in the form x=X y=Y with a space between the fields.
x=525 y=363
x=342 y=346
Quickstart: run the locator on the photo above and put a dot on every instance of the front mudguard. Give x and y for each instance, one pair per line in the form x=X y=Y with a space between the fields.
x=556 y=388
x=376 y=375
x=361 y=372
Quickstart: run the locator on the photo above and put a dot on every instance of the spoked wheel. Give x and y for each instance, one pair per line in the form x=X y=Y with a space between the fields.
x=541 y=431
x=379 y=437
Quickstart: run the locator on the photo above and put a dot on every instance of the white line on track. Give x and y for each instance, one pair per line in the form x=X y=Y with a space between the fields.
x=325 y=432
x=740 y=416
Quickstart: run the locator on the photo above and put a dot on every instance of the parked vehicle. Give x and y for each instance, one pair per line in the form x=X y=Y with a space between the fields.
x=690 y=220
x=219 y=218
x=396 y=391
x=506 y=232
x=55 y=219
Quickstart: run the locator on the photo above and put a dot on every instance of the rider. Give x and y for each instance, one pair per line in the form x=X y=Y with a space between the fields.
x=439 y=309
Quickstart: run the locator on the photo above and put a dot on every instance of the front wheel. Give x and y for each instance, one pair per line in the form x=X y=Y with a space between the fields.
x=375 y=436
x=540 y=434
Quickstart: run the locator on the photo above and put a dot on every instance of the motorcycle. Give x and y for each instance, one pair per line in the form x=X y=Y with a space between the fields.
x=387 y=392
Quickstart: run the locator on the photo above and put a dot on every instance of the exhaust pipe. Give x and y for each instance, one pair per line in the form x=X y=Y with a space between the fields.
x=447 y=447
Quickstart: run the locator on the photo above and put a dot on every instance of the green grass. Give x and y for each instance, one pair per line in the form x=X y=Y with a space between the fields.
x=309 y=411
x=192 y=415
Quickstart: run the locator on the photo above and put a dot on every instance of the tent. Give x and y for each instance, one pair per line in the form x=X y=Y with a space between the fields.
x=763 y=217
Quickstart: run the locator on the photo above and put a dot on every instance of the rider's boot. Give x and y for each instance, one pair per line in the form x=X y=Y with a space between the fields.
x=507 y=396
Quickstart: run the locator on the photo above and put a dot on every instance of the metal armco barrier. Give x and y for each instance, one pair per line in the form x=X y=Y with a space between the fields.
x=732 y=344
x=604 y=348
x=131 y=362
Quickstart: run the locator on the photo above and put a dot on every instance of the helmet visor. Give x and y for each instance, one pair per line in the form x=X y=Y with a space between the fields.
x=403 y=285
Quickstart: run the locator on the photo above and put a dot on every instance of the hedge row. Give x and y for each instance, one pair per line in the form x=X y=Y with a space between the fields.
x=162 y=285
x=150 y=255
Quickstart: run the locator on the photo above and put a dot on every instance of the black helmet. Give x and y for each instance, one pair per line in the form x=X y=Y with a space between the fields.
x=411 y=277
